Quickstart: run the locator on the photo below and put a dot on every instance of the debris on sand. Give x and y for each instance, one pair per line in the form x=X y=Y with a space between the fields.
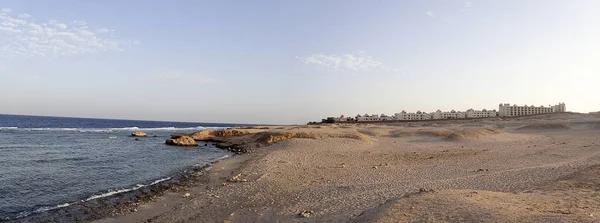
x=306 y=214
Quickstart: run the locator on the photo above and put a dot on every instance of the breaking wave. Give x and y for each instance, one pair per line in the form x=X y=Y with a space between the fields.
x=106 y=130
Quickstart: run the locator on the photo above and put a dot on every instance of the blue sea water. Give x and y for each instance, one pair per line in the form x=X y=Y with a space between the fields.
x=49 y=162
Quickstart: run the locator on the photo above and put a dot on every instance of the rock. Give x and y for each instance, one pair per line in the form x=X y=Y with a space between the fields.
x=182 y=141
x=187 y=195
x=306 y=214
x=178 y=135
x=236 y=178
x=138 y=134
x=137 y=139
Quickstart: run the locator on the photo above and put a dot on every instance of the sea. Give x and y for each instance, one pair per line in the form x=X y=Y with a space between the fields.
x=52 y=162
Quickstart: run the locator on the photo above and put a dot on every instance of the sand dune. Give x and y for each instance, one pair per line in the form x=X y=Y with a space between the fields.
x=573 y=198
x=545 y=126
x=486 y=171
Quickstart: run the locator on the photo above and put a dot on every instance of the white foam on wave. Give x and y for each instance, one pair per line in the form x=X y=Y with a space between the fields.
x=108 y=130
x=113 y=192
x=42 y=209
x=161 y=180
x=50 y=129
x=164 y=128
x=96 y=130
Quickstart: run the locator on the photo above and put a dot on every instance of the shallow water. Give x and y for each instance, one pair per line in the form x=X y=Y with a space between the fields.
x=46 y=166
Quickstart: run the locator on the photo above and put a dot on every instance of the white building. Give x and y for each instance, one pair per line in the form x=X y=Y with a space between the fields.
x=369 y=118
x=515 y=110
x=448 y=115
x=481 y=114
x=411 y=116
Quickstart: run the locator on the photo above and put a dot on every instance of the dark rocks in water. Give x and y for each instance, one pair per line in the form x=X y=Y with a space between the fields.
x=182 y=141
x=138 y=134
x=235 y=148
x=137 y=139
x=155 y=136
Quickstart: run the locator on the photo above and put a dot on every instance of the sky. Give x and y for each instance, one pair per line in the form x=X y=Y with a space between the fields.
x=291 y=62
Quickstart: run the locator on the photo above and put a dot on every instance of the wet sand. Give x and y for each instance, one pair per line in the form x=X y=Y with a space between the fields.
x=533 y=169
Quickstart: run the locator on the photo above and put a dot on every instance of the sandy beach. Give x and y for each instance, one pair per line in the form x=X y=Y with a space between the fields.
x=529 y=169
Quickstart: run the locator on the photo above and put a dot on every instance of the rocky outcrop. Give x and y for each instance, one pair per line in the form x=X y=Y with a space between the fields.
x=138 y=134
x=221 y=135
x=182 y=141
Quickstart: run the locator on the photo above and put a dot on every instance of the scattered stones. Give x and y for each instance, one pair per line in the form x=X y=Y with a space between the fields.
x=306 y=214
x=480 y=170
x=425 y=190
x=138 y=134
x=182 y=141
x=237 y=178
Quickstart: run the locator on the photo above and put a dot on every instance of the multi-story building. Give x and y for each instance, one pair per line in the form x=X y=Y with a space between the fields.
x=481 y=114
x=448 y=115
x=411 y=116
x=369 y=118
x=515 y=110
x=504 y=110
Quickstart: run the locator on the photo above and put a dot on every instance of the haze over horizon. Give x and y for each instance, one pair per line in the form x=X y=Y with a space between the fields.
x=274 y=62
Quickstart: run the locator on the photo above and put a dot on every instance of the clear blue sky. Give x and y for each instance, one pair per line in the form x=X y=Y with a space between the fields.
x=287 y=62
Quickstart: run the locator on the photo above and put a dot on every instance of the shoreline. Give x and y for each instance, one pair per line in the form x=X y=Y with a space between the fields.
x=366 y=173
x=118 y=202
x=370 y=173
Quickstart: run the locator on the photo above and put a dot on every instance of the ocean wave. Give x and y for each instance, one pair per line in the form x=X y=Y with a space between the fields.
x=49 y=129
x=108 y=130
x=40 y=210
x=113 y=192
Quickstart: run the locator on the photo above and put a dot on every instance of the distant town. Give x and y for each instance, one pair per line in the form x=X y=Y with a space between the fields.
x=504 y=110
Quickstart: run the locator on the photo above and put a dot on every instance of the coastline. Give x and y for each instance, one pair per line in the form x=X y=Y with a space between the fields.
x=123 y=201
x=389 y=173
x=379 y=173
